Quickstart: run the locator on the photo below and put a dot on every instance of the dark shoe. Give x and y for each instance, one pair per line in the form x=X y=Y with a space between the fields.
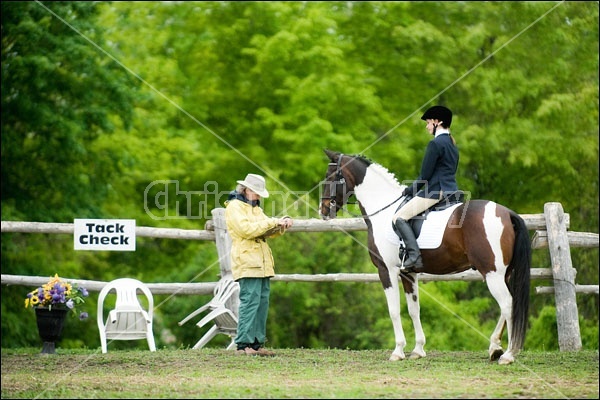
x=265 y=353
x=413 y=262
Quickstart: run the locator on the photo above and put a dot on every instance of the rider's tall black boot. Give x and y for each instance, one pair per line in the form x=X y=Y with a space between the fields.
x=413 y=263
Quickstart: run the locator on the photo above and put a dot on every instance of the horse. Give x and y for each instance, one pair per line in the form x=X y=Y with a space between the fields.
x=479 y=234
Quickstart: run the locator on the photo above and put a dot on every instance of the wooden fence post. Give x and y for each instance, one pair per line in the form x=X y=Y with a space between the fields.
x=223 y=242
x=567 y=317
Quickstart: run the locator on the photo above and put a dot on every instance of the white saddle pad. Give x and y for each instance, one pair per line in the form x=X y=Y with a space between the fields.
x=432 y=230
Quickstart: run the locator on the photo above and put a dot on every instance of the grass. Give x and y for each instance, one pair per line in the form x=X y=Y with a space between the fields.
x=294 y=373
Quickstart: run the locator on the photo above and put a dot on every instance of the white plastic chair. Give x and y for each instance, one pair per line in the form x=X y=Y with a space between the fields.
x=225 y=320
x=128 y=320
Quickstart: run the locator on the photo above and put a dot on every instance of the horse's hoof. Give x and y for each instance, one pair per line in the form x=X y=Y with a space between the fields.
x=496 y=354
x=395 y=357
x=506 y=359
x=415 y=356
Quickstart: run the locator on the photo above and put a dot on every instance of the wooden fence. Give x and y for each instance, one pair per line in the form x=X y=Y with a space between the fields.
x=551 y=231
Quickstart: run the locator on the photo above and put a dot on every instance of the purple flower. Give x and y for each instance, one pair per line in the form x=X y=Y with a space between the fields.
x=70 y=303
x=84 y=292
x=83 y=315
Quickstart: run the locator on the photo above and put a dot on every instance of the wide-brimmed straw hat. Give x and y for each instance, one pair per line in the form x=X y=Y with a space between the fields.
x=256 y=183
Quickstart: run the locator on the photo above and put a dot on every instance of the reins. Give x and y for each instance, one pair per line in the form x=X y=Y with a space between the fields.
x=376 y=212
x=384 y=208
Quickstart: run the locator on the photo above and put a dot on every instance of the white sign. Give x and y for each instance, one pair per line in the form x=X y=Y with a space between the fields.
x=104 y=234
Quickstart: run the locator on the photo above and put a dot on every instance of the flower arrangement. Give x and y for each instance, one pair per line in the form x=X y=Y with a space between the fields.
x=58 y=293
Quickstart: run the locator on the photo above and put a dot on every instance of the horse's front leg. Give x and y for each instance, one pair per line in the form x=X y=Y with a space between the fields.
x=392 y=295
x=410 y=283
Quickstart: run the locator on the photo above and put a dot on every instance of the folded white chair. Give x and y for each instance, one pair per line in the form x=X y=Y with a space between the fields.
x=225 y=320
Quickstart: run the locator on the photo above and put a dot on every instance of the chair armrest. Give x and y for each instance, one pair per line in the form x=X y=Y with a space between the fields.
x=112 y=316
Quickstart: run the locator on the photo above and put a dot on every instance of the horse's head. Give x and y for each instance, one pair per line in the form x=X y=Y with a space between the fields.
x=338 y=184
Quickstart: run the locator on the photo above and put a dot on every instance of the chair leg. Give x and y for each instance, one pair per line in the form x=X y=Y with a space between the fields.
x=103 y=342
x=232 y=344
x=150 y=337
x=212 y=332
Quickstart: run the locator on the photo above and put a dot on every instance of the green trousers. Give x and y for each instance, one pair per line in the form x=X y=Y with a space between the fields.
x=253 y=311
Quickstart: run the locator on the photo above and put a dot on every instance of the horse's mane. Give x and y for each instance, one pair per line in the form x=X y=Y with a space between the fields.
x=380 y=168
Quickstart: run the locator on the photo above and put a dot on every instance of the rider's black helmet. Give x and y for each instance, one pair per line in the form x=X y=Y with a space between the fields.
x=440 y=113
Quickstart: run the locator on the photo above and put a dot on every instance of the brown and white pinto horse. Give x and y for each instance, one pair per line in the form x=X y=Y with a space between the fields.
x=480 y=234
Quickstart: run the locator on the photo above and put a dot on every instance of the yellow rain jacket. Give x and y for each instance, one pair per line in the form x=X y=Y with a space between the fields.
x=249 y=227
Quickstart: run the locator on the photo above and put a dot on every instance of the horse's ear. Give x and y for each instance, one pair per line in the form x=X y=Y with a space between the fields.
x=333 y=155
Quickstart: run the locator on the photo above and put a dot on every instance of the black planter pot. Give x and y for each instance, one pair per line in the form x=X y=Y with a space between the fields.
x=50 y=323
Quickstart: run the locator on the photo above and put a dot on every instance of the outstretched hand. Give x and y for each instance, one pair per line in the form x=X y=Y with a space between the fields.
x=286 y=222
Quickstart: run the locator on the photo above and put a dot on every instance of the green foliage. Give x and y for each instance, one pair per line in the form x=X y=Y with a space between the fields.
x=57 y=94
x=102 y=103
x=543 y=331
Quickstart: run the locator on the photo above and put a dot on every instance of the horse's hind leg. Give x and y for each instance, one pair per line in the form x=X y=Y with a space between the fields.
x=495 y=349
x=498 y=289
x=488 y=253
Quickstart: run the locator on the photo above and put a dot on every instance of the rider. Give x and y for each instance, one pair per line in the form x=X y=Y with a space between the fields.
x=437 y=178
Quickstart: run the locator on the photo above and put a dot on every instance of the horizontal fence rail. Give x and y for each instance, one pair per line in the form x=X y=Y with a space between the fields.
x=196 y=288
x=533 y=222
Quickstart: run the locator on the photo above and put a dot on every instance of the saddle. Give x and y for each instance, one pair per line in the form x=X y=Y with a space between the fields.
x=448 y=200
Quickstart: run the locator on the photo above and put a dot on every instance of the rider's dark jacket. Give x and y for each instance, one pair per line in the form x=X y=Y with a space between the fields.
x=438 y=170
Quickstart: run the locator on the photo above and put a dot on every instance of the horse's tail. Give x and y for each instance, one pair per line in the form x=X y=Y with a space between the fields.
x=519 y=282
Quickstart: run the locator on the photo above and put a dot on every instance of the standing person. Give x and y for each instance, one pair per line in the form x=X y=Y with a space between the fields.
x=437 y=180
x=252 y=261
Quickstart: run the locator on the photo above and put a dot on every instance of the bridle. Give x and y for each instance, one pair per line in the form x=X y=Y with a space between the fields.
x=340 y=180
